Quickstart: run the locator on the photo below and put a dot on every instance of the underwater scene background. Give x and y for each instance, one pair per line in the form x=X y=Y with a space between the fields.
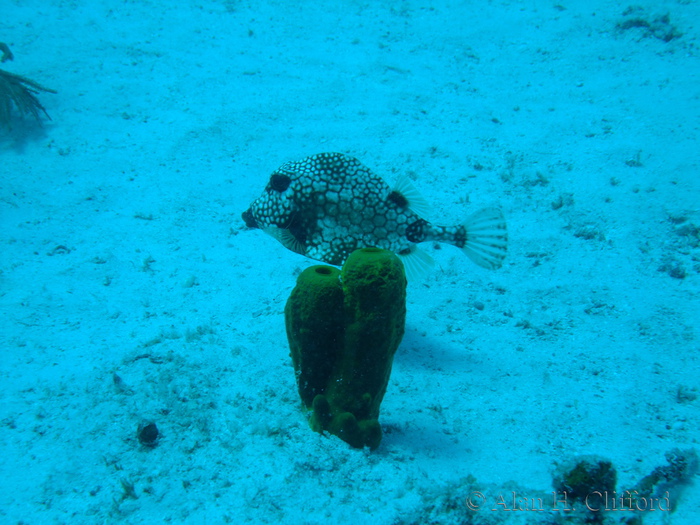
x=145 y=373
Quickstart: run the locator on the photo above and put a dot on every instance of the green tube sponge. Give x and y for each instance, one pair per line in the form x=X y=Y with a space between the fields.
x=313 y=313
x=343 y=329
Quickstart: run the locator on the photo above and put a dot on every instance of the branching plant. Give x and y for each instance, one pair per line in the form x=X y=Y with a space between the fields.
x=18 y=91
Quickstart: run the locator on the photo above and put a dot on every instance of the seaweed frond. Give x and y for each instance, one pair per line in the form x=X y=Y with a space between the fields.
x=6 y=53
x=20 y=91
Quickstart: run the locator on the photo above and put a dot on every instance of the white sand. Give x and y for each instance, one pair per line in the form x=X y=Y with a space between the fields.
x=130 y=291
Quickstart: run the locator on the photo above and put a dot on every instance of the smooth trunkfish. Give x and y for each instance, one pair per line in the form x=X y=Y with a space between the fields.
x=328 y=205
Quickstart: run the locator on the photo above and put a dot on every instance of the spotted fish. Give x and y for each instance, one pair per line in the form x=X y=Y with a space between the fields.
x=328 y=205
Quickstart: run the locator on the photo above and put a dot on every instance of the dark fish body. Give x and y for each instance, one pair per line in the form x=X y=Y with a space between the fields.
x=328 y=205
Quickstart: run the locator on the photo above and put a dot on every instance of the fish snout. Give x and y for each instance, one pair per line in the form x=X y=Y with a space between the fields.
x=249 y=220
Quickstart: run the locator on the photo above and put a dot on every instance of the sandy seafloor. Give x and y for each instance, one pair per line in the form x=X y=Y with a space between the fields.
x=130 y=290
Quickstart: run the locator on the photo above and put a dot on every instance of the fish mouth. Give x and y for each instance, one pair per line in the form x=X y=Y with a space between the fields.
x=249 y=220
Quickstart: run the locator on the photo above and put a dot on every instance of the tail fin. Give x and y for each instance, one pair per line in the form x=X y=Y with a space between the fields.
x=486 y=238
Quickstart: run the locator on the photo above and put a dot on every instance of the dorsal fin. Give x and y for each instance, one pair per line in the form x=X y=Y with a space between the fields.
x=416 y=202
x=285 y=237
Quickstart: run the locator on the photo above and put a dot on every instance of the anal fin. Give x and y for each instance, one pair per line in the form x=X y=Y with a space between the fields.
x=416 y=263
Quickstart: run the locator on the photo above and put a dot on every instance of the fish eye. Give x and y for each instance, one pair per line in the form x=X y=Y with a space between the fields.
x=279 y=182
